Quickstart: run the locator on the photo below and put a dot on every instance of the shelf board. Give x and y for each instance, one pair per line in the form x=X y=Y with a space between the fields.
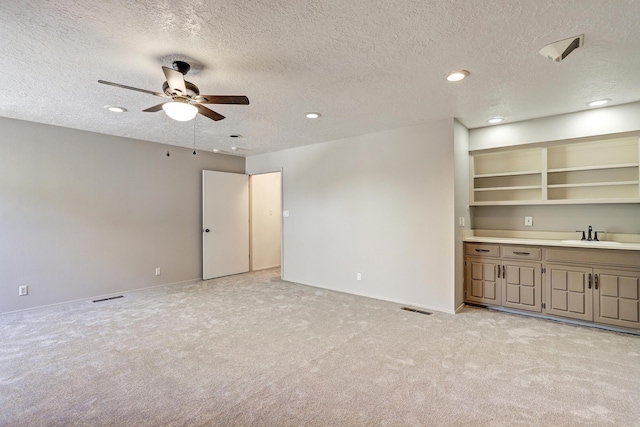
x=509 y=202
x=492 y=175
x=593 y=184
x=597 y=167
x=538 y=202
x=519 y=187
x=590 y=201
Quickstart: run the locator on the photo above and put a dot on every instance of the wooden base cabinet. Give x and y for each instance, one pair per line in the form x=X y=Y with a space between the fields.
x=590 y=285
x=483 y=284
x=495 y=279
x=568 y=290
x=616 y=297
x=586 y=284
x=605 y=296
x=521 y=285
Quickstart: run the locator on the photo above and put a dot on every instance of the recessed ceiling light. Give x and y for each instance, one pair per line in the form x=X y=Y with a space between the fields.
x=457 y=75
x=234 y=148
x=115 y=109
x=215 y=150
x=496 y=119
x=598 y=102
x=313 y=115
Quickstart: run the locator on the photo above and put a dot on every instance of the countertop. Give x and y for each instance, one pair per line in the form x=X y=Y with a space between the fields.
x=559 y=243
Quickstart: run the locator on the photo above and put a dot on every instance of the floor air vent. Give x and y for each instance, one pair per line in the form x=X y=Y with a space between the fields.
x=416 y=311
x=107 y=299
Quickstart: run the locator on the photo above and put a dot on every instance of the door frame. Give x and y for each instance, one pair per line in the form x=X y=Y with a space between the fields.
x=282 y=223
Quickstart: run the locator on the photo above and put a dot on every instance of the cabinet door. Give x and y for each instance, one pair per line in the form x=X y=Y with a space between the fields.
x=568 y=291
x=522 y=285
x=616 y=297
x=482 y=281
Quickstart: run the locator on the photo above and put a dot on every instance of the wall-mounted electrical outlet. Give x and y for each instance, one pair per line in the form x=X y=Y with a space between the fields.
x=158 y=271
x=461 y=221
x=528 y=221
x=358 y=276
x=23 y=290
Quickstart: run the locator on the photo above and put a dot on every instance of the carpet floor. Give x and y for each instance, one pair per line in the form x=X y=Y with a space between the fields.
x=253 y=350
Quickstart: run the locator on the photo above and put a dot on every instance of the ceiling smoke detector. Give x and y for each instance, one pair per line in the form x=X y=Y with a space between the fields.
x=559 y=50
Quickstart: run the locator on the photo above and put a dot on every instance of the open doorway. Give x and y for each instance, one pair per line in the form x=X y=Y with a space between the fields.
x=266 y=221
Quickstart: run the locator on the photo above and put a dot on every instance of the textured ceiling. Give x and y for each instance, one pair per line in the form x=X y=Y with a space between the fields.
x=365 y=65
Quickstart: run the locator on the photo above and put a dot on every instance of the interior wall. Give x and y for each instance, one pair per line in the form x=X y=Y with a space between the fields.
x=463 y=215
x=85 y=214
x=381 y=205
x=612 y=218
x=583 y=124
x=266 y=217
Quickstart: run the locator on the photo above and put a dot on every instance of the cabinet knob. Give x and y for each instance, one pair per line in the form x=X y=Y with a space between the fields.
x=595 y=281
x=589 y=284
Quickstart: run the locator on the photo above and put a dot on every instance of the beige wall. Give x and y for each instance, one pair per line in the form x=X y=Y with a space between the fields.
x=461 y=165
x=84 y=214
x=583 y=124
x=380 y=204
x=266 y=216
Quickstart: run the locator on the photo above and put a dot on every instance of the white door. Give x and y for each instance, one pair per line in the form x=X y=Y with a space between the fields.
x=225 y=224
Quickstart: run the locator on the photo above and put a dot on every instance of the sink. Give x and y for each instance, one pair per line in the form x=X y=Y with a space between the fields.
x=591 y=242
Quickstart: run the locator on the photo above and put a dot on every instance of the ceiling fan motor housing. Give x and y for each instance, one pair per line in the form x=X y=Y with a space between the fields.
x=192 y=90
x=181 y=66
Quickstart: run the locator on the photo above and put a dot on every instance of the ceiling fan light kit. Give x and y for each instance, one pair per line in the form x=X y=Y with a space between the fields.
x=181 y=111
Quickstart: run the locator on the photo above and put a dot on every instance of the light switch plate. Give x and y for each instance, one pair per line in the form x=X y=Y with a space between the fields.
x=528 y=221
x=285 y=214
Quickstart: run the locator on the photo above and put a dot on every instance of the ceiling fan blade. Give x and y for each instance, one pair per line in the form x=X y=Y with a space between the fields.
x=175 y=80
x=222 y=99
x=209 y=113
x=154 y=108
x=133 y=88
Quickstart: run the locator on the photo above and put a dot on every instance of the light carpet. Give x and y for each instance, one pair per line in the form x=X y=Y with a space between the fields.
x=253 y=350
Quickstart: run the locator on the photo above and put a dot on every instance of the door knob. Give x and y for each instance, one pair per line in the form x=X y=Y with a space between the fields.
x=206 y=230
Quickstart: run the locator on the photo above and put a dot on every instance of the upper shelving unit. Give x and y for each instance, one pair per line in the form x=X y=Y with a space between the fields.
x=602 y=171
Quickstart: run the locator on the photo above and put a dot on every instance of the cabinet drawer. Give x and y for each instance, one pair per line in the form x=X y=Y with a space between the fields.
x=481 y=249
x=525 y=252
x=606 y=257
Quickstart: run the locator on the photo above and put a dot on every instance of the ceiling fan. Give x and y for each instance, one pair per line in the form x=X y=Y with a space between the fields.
x=184 y=99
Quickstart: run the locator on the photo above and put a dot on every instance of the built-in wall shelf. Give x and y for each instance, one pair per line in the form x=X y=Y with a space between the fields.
x=521 y=187
x=490 y=175
x=601 y=171
x=590 y=168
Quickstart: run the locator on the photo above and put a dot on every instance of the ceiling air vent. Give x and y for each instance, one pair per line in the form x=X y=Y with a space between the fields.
x=559 y=50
